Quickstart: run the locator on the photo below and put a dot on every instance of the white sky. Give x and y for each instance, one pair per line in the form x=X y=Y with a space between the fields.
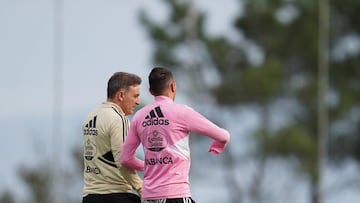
x=100 y=37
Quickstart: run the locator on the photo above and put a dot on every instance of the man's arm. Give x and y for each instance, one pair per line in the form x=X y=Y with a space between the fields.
x=127 y=156
x=197 y=123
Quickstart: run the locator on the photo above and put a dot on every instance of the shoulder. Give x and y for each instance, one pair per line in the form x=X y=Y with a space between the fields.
x=142 y=112
x=108 y=115
x=183 y=108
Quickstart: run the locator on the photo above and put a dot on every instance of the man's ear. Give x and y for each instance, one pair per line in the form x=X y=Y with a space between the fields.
x=173 y=87
x=121 y=95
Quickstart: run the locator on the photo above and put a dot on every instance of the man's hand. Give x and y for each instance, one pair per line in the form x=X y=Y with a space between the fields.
x=216 y=147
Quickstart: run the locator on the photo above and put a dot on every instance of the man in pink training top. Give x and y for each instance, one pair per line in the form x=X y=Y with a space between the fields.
x=163 y=128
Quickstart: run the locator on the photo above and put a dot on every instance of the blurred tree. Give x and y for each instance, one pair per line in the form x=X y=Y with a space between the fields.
x=6 y=197
x=285 y=36
x=38 y=182
x=344 y=76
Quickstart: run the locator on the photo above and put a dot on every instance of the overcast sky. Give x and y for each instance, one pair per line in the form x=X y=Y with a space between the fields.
x=100 y=37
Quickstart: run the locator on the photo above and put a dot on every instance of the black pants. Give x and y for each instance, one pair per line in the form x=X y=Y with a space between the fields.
x=112 y=198
x=173 y=200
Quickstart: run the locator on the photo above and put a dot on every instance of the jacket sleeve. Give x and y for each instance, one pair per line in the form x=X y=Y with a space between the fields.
x=117 y=134
x=132 y=178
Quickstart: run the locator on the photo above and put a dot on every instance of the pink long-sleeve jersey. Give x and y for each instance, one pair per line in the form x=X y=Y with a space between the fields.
x=163 y=129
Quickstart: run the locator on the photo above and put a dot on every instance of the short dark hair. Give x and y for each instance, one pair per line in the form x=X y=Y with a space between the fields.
x=159 y=79
x=121 y=80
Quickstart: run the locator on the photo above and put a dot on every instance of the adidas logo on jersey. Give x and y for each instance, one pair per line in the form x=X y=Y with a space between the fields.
x=90 y=128
x=155 y=117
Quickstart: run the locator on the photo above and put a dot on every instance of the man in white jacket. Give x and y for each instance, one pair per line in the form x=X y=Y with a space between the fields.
x=104 y=132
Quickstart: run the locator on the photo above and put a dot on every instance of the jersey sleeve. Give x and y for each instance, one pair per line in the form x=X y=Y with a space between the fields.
x=197 y=123
x=132 y=142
